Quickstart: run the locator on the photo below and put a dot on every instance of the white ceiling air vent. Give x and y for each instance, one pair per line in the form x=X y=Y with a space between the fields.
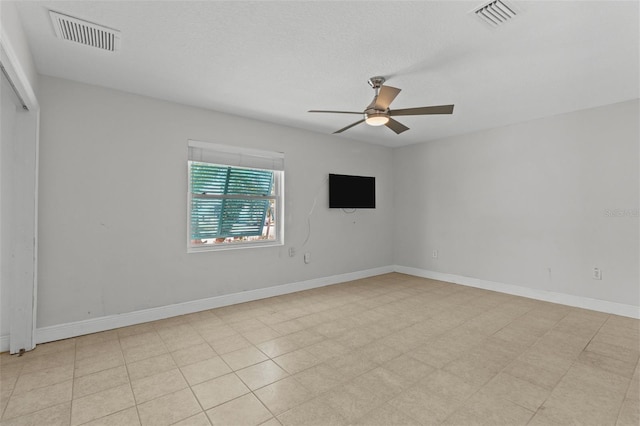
x=83 y=32
x=495 y=13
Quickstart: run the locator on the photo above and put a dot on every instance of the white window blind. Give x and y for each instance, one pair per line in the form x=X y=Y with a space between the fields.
x=235 y=196
x=234 y=156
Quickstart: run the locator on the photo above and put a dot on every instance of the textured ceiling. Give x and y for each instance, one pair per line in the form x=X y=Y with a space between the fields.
x=274 y=60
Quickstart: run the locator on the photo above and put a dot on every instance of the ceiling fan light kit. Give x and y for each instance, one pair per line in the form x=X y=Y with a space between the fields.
x=377 y=113
x=376 y=118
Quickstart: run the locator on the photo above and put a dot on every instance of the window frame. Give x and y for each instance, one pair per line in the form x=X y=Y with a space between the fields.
x=238 y=157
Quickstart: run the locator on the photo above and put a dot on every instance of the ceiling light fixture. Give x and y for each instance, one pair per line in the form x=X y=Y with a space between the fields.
x=376 y=117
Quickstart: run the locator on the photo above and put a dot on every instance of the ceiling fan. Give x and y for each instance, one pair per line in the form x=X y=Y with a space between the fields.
x=377 y=113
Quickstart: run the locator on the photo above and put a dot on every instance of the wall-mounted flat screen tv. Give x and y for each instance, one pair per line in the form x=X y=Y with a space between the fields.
x=352 y=192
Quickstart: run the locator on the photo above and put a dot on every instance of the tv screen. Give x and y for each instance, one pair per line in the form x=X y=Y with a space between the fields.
x=352 y=192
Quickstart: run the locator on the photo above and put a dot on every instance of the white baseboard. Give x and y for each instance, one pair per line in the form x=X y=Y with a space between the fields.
x=624 y=310
x=79 y=328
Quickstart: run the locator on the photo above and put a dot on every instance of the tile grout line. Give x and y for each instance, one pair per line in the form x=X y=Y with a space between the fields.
x=73 y=379
x=126 y=366
x=354 y=297
x=538 y=410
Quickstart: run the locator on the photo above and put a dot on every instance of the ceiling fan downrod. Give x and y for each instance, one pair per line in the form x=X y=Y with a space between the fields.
x=376 y=83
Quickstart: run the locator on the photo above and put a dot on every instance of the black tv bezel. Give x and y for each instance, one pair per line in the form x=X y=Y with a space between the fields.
x=352 y=203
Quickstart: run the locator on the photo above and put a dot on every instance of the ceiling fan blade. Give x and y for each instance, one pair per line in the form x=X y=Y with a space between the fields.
x=349 y=126
x=396 y=126
x=335 y=112
x=439 y=109
x=386 y=95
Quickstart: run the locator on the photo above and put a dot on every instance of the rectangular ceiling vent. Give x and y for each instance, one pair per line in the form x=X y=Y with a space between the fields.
x=83 y=32
x=495 y=13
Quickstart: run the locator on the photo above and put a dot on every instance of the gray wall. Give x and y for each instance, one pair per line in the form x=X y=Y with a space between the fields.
x=537 y=204
x=113 y=214
x=523 y=205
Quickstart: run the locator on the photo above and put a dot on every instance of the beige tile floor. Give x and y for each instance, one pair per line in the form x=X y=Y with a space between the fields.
x=387 y=350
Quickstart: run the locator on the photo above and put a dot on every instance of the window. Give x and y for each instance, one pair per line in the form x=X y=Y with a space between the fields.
x=235 y=197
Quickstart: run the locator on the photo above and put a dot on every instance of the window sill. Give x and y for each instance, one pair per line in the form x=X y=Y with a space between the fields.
x=231 y=246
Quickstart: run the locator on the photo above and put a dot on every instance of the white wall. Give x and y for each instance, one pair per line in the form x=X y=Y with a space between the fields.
x=528 y=205
x=8 y=117
x=112 y=212
x=18 y=193
x=11 y=29
x=18 y=189
x=524 y=205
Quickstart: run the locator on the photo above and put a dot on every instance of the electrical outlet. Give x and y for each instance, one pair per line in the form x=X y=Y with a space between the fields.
x=434 y=254
x=597 y=274
x=307 y=257
x=292 y=251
